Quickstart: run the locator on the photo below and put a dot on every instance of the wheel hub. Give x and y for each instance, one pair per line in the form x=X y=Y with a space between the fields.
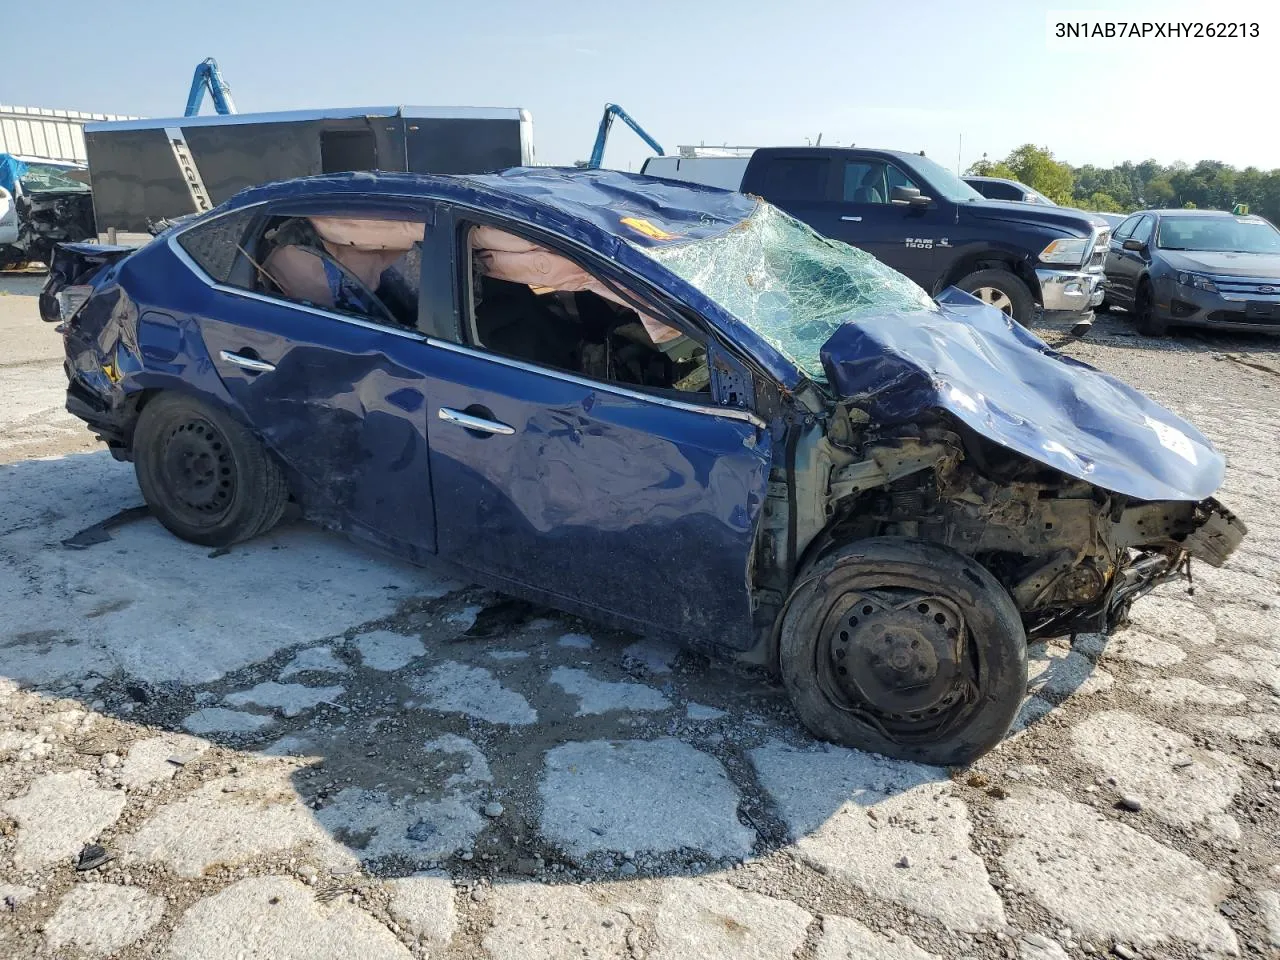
x=995 y=297
x=197 y=467
x=899 y=660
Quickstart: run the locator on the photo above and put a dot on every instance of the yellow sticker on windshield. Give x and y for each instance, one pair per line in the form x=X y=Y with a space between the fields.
x=648 y=229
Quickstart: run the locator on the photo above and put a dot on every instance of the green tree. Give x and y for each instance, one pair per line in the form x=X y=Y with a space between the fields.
x=1036 y=168
x=991 y=168
x=1102 y=202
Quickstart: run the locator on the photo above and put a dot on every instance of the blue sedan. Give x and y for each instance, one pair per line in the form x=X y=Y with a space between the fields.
x=669 y=408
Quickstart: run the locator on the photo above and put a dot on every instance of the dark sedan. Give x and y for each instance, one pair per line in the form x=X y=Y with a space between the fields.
x=1196 y=268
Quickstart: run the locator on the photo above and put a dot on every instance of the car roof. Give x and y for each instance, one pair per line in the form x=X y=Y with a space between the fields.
x=643 y=210
x=1181 y=212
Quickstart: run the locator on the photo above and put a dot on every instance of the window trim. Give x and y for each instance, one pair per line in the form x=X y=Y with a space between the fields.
x=1117 y=235
x=221 y=287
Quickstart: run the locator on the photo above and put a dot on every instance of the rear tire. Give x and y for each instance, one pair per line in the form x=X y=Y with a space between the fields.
x=1003 y=290
x=204 y=475
x=904 y=648
x=1144 y=313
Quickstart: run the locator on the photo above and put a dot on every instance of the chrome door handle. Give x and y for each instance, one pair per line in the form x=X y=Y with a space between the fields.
x=468 y=422
x=248 y=363
x=852 y=219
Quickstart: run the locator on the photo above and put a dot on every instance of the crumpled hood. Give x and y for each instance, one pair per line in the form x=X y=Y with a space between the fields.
x=1008 y=385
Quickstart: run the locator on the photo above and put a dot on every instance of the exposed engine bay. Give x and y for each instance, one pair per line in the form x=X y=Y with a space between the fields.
x=49 y=204
x=1072 y=556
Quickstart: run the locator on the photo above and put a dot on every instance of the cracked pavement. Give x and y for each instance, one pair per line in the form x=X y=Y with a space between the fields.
x=299 y=749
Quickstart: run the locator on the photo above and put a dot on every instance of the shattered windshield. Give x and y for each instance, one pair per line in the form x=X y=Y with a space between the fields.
x=789 y=284
x=46 y=176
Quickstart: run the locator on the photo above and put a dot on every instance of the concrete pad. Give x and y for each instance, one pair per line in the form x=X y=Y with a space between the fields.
x=1254 y=670
x=314 y=659
x=657 y=795
x=601 y=696
x=1178 y=691
x=280 y=918
x=846 y=939
x=148 y=760
x=1248 y=623
x=653 y=655
x=714 y=921
x=532 y=921
x=423 y=906
x=1135 y=646
x=384 y=650
x=1035 y=946
x=1175 y=620
x=229 y=821
x=290 y=699
x=574 y=641
x=1252 y=728
x=698 y=711
x=1055 y=672
x=1109 y=882
x=463 y=756
x=1177 y=781
x=857 y=816
x=375 y=825
x=222 y=720
x=101 y=919
x=58 y=815
x=14 y=895
x=474 y=691
x=1269 y=907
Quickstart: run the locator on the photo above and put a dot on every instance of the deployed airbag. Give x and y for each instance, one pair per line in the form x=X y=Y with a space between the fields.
x=504 y=256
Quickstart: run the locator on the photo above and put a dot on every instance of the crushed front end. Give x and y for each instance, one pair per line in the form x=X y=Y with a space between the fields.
x=1072 y=556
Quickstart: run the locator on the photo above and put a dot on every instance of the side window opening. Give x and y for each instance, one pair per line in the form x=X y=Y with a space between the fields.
x=528 y=302
x=368 y=268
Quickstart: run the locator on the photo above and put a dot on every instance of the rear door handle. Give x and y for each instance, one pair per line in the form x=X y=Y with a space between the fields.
x=852 y=219
x=479 y=424
x=247 y=363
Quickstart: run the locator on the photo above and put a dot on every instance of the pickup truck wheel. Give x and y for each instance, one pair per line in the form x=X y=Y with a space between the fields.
x=904 y=648
x=1003 y=290
x=205 y=476
x=1144 y=313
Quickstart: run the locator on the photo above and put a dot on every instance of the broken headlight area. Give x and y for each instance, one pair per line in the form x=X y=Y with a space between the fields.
x=1071 y=555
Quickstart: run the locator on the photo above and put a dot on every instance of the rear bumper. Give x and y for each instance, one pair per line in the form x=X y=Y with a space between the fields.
x=1069 y=291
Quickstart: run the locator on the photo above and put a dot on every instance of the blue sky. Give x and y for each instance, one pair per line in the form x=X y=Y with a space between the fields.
x=911 y=75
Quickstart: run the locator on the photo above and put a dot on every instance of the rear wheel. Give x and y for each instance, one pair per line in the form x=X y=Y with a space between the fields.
x=1144 y=313
x=906 y=649
x=1003 y=290
x=204 y=475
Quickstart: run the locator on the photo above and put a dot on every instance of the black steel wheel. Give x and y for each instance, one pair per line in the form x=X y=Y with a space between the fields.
x=904 y=648
x=203 y=474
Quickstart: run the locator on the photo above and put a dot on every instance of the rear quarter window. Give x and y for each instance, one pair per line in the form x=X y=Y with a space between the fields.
x=214 y=244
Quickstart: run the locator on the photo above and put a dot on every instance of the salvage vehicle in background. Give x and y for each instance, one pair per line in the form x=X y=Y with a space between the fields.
x=922 y=220
x=1196 y=268
x=676 y=410
x=42 y=203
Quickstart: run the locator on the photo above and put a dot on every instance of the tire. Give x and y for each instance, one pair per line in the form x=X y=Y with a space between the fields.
x=904 y=596
x=1144 y=313
x=204 y=475
x=1004 y=290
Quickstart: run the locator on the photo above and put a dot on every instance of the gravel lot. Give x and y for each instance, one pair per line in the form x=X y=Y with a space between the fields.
x=296 y=749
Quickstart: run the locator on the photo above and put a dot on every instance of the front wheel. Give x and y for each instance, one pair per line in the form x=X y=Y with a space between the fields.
x=1003 y=290
x=1144 y=313
x=204 y=475
x=904 y=648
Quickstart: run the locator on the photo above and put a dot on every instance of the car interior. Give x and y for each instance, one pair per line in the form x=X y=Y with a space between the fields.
x=368 y=268
x=530 y=303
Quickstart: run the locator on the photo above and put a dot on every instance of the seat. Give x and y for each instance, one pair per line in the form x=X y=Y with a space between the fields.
x=867 y=191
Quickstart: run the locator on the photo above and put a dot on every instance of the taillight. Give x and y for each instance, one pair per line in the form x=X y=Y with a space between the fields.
x=71 y=299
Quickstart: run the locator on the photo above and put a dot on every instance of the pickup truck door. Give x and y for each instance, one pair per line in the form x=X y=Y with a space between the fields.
x=862 y=213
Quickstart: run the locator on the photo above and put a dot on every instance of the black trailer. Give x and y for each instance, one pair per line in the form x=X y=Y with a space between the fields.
x=143 y=171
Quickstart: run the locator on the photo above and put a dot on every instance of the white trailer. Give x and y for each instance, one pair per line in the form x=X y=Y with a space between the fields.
x=48 y=134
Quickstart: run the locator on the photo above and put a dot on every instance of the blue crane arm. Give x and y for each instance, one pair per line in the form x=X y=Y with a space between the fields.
x=612 y=110
x=208 y=77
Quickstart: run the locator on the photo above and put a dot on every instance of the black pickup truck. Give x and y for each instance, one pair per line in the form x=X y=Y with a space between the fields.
x=922 y=220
